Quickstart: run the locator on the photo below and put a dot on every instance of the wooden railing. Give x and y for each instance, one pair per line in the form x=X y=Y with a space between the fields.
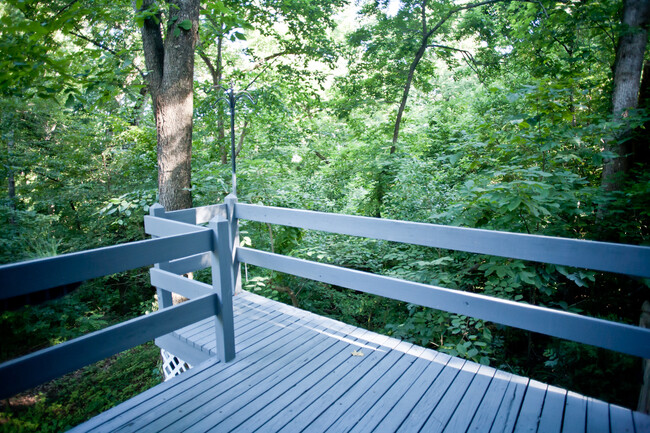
x=601 y=256
x=181 y=245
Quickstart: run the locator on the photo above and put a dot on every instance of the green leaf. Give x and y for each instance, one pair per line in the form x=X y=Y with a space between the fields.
x=185 y=24
x=69 y=103
x=177 y=32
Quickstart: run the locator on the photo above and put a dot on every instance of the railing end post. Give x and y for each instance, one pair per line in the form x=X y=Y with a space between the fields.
x=223 y=285
x=164 y=296
x=157 y=210
x=233 y=228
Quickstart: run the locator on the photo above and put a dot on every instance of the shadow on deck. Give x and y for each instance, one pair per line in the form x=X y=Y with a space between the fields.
x=297 y=371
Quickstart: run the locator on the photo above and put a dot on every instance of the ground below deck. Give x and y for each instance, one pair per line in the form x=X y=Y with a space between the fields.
x=297 y=371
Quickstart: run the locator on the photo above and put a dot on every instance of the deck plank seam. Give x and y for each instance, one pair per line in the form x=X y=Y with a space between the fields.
x=392 y=358
x=368 y=400
x=478 y=403
x=411 y=373
x=277 y=378
x=273 y=361
x=248 y=349
x=436 y=389
x=341 y=369
x=239 y=366
x=432 y=371
x=344 y=357
x=500 y=387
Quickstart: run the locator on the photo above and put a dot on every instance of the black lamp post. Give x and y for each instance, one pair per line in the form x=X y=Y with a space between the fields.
x=231 y=98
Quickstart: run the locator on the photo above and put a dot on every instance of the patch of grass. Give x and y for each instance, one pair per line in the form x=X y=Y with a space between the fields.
x=76 y=397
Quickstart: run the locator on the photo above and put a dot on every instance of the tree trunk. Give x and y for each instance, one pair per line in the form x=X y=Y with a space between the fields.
x=171 y=83
x=11 y=181
x=405 y=95
x=627 y=78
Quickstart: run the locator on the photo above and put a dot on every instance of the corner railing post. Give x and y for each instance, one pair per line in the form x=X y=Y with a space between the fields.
x=164 y=296
x=233 y=230
x=223 y=285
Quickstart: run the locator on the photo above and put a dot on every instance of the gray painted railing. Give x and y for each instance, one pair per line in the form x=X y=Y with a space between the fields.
x=601 y=256
x=177 y=240
x=180 y=245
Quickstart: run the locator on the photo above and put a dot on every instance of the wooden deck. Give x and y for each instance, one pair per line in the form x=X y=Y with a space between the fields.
x=297 y=371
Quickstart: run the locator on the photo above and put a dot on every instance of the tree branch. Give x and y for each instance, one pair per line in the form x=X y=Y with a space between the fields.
x=321 y=157
x=259 y=75
x=208 y=63
x=65 y=8
x=469 y=58
x=288 y=291
x=240 y=144
x=420 y=54
x=458 y=9
x=102 y=46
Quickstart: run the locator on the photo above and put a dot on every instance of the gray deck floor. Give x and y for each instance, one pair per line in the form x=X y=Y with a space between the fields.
x=297 y=371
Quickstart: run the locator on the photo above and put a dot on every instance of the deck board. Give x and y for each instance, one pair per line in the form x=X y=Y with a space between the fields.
x=506 y=414
x=460 y=420
x=484 y=416
x=553 y=411
x=531 y=407
x=296 y=371
x=575 y=412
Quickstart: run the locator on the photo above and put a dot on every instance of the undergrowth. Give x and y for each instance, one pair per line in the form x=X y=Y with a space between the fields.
x=76 y=397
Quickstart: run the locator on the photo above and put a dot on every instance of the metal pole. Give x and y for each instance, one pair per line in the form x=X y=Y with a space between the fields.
x=232 y=140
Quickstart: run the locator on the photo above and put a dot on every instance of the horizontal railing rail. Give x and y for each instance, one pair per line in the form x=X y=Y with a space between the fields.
x=34 y=275
x=178 y=241
x=620 y=337
x=197 y=215
x=178 y=284
x=38 y=367
x=600 y=256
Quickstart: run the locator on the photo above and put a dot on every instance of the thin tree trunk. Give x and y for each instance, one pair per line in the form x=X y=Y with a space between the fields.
x=171 y=80
x=627 y=77
x=138 y=108
x=11 y=181
x=217 y=74
x=426 y=35
x=405 y=94
x=242 y=134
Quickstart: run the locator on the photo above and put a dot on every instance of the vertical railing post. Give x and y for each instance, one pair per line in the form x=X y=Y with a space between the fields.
x=164 y=296
x=223 y=285
x=233 y=230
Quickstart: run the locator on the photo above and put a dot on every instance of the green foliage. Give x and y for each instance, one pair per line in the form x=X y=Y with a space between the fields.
x=449 y=333
x=76 y=397
x=596 y=371
x=95 y=305
x=124 y=214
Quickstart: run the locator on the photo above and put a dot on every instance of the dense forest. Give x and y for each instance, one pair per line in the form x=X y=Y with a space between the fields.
x=520 y=116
